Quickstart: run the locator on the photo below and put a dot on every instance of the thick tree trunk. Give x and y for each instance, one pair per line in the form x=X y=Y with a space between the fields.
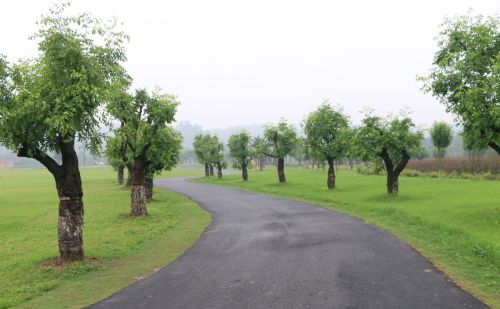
x=262 y=162
x=119 y=174
x=207 y=171
x=392 y=183
x=148 y=185
x=219 y=171
x=69 y=190
x=393 y=172
x=129 y=175
x=70 y=221
x=281 y=170
x=244 y=172
x=138 y=195
x=211 y=169
x=330 y=182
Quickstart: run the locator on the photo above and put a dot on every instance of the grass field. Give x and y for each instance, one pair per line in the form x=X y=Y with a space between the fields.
x=454 y=222
x=119 y=249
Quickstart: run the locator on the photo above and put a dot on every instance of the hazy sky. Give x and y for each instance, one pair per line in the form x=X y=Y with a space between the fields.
x=246 y=62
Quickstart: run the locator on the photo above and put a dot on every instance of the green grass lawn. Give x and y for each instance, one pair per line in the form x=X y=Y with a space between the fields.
x=454 y=222
x=119 y=249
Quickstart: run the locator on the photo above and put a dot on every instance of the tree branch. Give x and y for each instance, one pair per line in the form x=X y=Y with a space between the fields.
x=41 y=157
x=495 y=146
x=269 y=155
x=402 y=163
x=387 y=160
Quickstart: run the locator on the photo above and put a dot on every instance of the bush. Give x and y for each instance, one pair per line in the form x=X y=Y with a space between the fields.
x=371 y=168
x=458 y=165
x=411 y=173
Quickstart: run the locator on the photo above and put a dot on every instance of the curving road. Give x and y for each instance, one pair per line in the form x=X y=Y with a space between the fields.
x=267 y=252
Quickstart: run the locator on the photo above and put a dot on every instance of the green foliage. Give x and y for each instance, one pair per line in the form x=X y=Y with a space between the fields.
x=466 y=75
x=145 y=131
x=393 y=135
x=209 y=149
x=55 y=96
x=259 y=145
x=441 y=135
x=240 y=148
x=328 y=134
x=116 y=151
x=280 y=139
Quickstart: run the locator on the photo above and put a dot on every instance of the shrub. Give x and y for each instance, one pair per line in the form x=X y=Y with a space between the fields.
x=458 y=165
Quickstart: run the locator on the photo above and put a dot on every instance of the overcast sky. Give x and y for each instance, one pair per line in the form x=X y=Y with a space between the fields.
x=250 y=62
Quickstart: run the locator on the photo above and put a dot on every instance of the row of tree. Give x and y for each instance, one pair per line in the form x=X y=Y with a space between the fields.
x=465 y=77
x=329 y=138
x=64 y=95
x=388 y=141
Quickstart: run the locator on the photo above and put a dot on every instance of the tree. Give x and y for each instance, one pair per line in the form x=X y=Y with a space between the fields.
x=328 y=135
x=217 y=154
x=240 y=149
x=298 y=152
x=151 y=144
x=49 y=102
x=163 y=155
x=116 y=152
x=201 y=149
x=465 y=75
x=441 y=135
x=281 y=140
x=391 y=139
x=260 y=146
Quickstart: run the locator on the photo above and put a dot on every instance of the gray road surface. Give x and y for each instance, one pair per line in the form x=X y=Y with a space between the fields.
x=267 y=252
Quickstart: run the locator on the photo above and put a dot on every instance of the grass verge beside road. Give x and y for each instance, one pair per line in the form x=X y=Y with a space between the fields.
x=119 y=249
x=453 y=222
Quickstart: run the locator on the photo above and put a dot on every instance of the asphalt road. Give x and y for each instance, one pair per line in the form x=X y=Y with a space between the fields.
x=266 y=252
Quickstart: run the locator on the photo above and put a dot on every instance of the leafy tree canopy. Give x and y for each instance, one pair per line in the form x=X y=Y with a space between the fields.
x=441 y=135
x=328 y=133
x=54 y=97
x=240 y=148
x=145 y=130
x=280 y=139
x=395 y=136
x=466 y=75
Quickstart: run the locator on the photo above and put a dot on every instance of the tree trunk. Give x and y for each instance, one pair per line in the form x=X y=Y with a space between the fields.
x=70 y=221
x=138 y=195
x=244 y=172
x=69 y=189
x=330 y=182
x=392 y=183
x=129 y=175
x=219 y=171
x=393 y=172
x=148 y=185
x=211 y=169
x=119 y=175
x=262 y=163
x=207 y=172
x=281 y=170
